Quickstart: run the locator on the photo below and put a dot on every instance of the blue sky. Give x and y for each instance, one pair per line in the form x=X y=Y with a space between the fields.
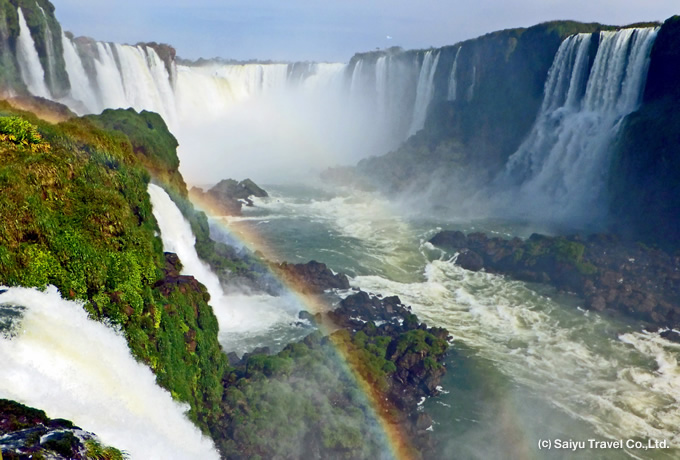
x=328 y=31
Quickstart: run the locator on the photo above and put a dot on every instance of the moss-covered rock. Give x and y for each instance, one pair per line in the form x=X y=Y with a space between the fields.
x=319 y=398
x=607 y=272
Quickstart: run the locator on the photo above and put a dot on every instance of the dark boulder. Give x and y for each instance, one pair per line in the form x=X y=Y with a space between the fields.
x=312 y=277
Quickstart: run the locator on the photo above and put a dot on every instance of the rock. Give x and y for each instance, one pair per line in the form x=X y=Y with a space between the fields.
x=453 y=240
x=305 y=315
x=312 y=277
x=228 y=196
x=607 y=272
x=28 y=433
x=423 y=421
x=233 y=358
x=470 y=260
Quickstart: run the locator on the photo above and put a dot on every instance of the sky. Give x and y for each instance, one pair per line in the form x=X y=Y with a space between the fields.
x=300 y=30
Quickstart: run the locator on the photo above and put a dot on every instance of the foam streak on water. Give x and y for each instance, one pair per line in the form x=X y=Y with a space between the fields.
x=76 y=368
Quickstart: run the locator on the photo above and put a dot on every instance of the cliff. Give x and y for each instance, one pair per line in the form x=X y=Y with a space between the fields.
x=645 y=179
x=482 y=108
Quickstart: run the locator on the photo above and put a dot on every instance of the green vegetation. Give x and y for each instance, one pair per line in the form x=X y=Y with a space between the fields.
x=306 y=398
x=95 y=451
x=147 y=135
x=76 y=214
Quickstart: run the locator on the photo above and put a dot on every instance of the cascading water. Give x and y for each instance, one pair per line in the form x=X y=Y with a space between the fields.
x=453 y=86
x=83 y=97
x=50 y=73
x=245 y=320
x=562 y=166
x=424 y=91
x=62 y=362
x=31 y=69
x=178 y=238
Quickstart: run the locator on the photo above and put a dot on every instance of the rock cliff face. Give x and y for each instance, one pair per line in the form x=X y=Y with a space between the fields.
x=486 y=95
x=645 y=179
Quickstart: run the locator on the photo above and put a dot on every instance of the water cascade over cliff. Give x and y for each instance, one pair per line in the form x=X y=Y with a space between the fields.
x=316 y=104
x=489 y=102
x=245 y=319
x=563 y=164
x=58 y=359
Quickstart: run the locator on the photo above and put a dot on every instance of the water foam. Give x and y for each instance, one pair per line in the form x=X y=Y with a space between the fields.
x=574 y=360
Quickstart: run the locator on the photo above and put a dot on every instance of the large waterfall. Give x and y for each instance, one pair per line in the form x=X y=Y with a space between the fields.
x=279 y=121
x=59 y=360
x=290 y=108
x=562 y=166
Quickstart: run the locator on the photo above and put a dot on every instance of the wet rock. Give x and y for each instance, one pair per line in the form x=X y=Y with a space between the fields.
x=470 y=260
x=608 y=273
x=312 y=277
x=27 y=433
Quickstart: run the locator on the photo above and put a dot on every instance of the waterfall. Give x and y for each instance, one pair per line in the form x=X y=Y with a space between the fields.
x=51 y=74
x=29 y=63
x=238 y=314
x=471 y=89
x=61 y=361
x=562 y=165
x=109 y=78
x=381 y=70
x=178 y=238
x=424 y=91
x=83 y=97
x=452 y=78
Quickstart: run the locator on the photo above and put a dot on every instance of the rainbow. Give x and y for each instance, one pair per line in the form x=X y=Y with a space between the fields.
x=394 y=438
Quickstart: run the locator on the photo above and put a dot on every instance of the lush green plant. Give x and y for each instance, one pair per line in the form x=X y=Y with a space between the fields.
x=95 y=451
x=21 y=132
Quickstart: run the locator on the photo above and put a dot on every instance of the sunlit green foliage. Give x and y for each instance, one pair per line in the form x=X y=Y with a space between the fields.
x=77 y=215
x=95 y=451
x=308 y=398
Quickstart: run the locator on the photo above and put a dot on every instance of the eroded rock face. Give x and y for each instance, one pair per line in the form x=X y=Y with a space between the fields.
x=606 y=272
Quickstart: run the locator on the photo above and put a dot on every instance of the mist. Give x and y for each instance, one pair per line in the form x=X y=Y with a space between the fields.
x=270 y=127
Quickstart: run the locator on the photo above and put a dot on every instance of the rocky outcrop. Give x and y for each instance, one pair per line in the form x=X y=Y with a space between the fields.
x=605 y=271
x=388 y=317
x=228 y=196
x=398 y=359
x=311 y=278
x=27 y=433
x=644 y=182
x=173 y=280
